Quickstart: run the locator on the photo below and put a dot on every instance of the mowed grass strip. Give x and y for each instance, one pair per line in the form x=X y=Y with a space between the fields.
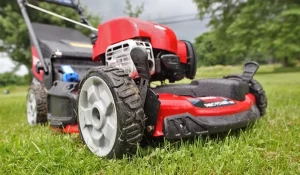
x=271 y=146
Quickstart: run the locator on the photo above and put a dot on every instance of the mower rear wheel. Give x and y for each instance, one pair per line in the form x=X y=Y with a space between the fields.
x=36 y=102
x=110 y=112
x=257 y=90
x=191 y=60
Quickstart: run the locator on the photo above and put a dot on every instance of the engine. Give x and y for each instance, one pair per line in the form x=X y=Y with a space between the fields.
x=162 y=64
x=169 y=58
x=118 y=55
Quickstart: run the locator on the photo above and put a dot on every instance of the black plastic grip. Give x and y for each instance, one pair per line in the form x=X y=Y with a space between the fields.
x=250 y=69
x=139 y=57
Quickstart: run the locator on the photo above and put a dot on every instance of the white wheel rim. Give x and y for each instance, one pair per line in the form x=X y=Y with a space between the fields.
x=31 y=108
x=97 y=116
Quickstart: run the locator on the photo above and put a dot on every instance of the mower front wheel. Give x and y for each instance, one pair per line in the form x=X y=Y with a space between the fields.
x=36 y=102
x=257 y=90
x=110 y=112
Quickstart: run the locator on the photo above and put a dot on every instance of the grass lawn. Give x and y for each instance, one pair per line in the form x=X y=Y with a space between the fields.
x=271 y=146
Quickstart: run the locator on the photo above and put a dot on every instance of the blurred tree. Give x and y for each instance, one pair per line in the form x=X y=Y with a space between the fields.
x=133 y=11
x=10 y=78
x=211 y=51
x=14 y=32
x=253 y=29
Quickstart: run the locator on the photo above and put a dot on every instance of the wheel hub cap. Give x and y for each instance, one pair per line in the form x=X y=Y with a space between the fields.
x=31 y=108
x=97 y=116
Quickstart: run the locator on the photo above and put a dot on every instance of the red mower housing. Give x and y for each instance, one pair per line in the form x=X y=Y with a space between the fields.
x=121 y=29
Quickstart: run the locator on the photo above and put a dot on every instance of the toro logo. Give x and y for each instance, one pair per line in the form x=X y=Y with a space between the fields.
x=219 y=103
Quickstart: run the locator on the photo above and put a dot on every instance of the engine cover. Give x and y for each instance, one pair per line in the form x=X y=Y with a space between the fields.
x=118 y=55
x=124 y=28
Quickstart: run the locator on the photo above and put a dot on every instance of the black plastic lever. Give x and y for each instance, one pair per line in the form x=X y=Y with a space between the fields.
x=139 y=57
x=250 y=69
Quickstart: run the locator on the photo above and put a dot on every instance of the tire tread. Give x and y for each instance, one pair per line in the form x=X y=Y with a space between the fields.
x=257 y=90
x=41 y=102
x=129 y=102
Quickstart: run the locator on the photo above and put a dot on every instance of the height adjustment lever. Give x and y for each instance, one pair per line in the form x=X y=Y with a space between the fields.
x=250 y=69
x=139 y=57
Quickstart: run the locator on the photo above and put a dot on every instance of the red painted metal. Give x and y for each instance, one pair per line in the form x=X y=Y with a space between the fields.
x=35 y=60
x=173 y=105
x=71 y=129
x=123 y=28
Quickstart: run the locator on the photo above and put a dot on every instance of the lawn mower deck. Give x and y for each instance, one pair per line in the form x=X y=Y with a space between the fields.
x=101 y=87
x=184 y=116
x=177 y=112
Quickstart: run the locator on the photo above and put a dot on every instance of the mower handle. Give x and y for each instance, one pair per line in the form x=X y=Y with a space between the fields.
x=75 y=6
x=66 y=3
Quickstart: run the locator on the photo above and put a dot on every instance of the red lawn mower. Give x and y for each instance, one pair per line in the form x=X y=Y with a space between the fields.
x=100 y=88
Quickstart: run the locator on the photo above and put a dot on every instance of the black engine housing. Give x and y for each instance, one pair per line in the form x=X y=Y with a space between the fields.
x=169 y=67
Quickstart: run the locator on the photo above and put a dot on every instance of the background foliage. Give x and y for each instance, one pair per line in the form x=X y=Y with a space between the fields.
x=241 y=30
x=266 y=31
x=10 y=78
x=133 y=11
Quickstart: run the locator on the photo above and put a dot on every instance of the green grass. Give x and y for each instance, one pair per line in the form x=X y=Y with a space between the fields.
x=271 y=146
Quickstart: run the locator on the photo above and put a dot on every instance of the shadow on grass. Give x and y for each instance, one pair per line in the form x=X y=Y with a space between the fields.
x=152 y=147
x=158 y=142
x=150 y=144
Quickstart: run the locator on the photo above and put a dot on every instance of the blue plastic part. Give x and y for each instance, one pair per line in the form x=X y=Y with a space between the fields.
x=68 y=74
x=70 y=77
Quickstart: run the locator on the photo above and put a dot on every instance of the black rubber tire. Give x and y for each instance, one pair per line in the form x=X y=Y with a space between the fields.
x=130 y=112
x=257 y=90
x=192 y=60
x=41 y=102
